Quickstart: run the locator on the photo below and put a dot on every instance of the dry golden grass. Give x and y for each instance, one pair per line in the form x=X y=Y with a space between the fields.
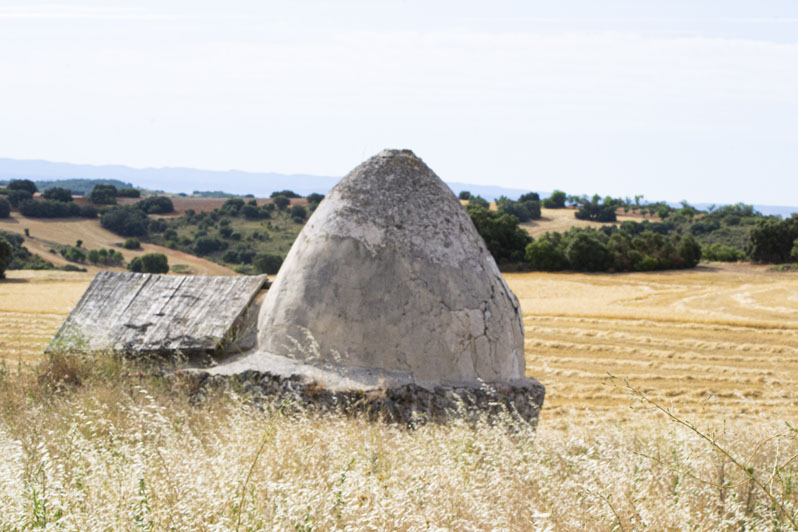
x=561 y=220
x=92 y=445
x=89 y=445
x=67 y=231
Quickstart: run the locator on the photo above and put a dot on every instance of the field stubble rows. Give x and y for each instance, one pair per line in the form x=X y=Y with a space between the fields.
x=718 y=339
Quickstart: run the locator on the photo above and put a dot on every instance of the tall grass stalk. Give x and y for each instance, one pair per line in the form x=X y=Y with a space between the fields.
x=99 y=445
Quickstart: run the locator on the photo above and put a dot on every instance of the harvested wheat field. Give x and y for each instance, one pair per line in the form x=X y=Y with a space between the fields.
x=33 y=304
x=720 y=339
x=561 y=220
x=97 y=445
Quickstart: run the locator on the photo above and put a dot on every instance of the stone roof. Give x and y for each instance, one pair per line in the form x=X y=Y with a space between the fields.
x=389 y=273
x=146 y=313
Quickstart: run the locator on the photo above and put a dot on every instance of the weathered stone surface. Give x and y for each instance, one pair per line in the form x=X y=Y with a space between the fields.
x=408 y=404
x=389 y=273
x=140 y=313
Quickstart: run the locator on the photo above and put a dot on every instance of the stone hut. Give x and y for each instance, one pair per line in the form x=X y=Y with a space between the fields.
x=389 y=285
x=388 y=300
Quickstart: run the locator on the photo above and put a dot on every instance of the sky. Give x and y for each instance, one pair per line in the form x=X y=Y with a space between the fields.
x=671 y=99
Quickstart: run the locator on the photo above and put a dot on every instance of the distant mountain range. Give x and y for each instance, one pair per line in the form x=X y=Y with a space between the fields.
x=260 y=184
x=189 y=179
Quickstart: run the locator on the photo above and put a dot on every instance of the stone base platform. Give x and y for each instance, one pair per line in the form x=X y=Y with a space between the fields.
x=404 y=403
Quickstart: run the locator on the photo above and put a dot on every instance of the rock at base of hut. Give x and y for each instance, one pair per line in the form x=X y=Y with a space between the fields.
x=408 y=404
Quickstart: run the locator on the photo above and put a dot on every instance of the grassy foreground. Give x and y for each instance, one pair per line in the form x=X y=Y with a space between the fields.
x=93 y=444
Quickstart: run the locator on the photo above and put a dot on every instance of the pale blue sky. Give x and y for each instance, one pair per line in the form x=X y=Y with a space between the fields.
x=666 y=98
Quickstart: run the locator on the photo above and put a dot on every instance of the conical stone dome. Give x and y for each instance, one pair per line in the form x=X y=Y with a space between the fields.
x=389 y=273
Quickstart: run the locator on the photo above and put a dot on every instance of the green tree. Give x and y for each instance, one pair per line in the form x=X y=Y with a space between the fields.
x=6 y=254
x=156 y=205
x=505 y=240
x=149 y=263
x=464 y=195
x=771 y=239
x=132 y=243
x=103 y=195
x=128 y=193
x=16 y=197
x=478 y=201
x=281 y=201
x=5 y=208
x=125 y=221
x=586 y=252
x=689 y=251
x=298 y=213
x=556 y=200
x=545 y=254
x=523 y=210
x=315 y=198
x=268 y=263
x=22 y=184
x=286 y=193
x=58 y=194
x=88 y=211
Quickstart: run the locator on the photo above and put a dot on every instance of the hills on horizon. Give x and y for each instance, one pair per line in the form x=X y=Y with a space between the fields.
x=187 y=180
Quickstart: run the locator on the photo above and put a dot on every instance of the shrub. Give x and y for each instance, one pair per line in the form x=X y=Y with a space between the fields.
x=529 y=196
x=772 y=239
x=16 y=197
x=74 y=254
x=149 y=263
x=5 y=208
x=233 y=206
x=6 y=254
x=505 y=240
x=125 y=221
x=107 y=257
x=286 y=193
x=478 y=201
x=464 y=195
x=281 y=201
x=597 y=210
x=251 y=212
x=128 y=193
x=207 y=244
x=88 y=211
x=156 y=205
x=58 y=194
x=545 y=255
x=48 y=209
x=132 y=243
x=103 y=195
x=298 y=213
x=23 y=184
x=721 y=253
x=523 y=210
x=688 y=250
x=315 y=198
x=267 y=263
x=556 y=200
x=587 y=253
